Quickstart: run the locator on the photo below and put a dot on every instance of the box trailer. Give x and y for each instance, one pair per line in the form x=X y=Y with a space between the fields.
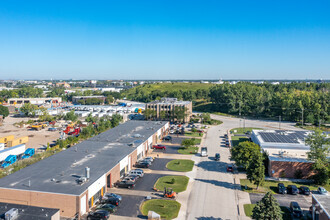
x=6 y=139
x=16 y=150
x=21 y=140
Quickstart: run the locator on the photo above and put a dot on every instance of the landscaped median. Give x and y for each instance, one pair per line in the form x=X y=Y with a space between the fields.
x=180 y=165
x=188 y=146
x=188 y=150
x=177 y=183
x=286 y=214
x=167 y=209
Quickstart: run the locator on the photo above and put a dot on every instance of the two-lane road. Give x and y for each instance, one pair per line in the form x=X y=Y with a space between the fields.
x=214 y=192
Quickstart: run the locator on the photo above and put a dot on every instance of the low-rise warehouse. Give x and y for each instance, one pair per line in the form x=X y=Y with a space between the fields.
x=58 y=181
x=287 y=152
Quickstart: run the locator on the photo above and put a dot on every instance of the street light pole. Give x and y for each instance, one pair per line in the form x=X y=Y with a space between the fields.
x=279 y=122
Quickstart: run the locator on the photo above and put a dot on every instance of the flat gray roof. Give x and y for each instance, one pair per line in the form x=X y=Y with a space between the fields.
x=58 y=173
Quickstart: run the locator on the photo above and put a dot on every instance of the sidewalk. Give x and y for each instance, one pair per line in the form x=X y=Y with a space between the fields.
x=242 y=197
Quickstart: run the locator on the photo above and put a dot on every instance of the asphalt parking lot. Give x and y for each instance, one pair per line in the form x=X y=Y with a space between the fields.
x=160 y=164
x=284 y=200
x=130 y=206
x=147 y=182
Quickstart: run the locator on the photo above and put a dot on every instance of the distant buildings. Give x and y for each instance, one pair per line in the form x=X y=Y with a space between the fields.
x=95 y=99
x=169 y=109
x=287 y=152
x=63 y=84
x=18 y=102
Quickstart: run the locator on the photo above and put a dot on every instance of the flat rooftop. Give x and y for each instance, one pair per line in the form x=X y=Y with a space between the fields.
x=324 y=201
x=28 y=212
x=58 y=173
x=281 y=139
x=169 y=101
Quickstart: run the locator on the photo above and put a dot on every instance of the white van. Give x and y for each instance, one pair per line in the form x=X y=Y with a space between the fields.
x=136 y=172
x=204 y=152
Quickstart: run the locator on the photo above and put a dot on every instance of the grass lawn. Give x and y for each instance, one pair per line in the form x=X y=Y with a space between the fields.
x=198 y=141
x=188 y=150
x=167 y=209
x=272 y=186
x=177 y=183
x=180 y=165
x=286 y=215
x=238 y=139
x=240 y=130
x=193 y=134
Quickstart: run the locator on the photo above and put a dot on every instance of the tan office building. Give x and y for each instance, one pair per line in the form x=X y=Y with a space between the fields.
x=166 y=109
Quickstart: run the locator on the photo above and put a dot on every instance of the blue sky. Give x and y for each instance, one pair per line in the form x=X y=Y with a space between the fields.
x=160 y=39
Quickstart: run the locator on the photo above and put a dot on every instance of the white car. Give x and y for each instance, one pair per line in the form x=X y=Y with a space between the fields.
x=172 y=131
x=322 y=191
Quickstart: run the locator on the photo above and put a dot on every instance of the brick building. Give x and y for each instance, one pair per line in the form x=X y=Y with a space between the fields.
x=168 y=107
x=54 y=181
x=287 y=152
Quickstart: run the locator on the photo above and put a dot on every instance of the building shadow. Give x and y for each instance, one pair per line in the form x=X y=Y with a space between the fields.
x=216 y=166
x=208 y=218
x=221 y=184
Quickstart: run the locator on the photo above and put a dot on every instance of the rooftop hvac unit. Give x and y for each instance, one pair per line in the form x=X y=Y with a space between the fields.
x=11 y=214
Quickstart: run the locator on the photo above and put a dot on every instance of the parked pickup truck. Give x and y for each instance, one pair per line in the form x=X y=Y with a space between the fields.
x=9 y=161
x=28 y=153
x=125 y=184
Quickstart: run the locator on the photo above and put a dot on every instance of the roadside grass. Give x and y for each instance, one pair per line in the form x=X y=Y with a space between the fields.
x=238 y=139
x=167 y=209
x=272 y=186
x=198 y=141
x=248 y=209
x=180 y=165
x=286 y=215
x=177 y=183
x=193 y=134
x=243 y=130
x=312 y=127
x=188 y=150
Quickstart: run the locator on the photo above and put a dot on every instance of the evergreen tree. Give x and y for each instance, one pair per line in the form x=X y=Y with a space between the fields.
x=267 y=209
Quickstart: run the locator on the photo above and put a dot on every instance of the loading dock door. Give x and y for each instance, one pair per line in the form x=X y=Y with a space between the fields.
x=83 y=205
x=109 y=181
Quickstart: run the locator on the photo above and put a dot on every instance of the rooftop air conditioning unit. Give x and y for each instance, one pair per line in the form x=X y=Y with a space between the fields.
x=11 y=214
x=81 y=180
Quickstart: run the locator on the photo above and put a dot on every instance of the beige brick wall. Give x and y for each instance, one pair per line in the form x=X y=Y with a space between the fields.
x=67 y=204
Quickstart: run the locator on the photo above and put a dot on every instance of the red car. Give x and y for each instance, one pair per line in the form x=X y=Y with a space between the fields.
x=230 y=168
x=159 y=147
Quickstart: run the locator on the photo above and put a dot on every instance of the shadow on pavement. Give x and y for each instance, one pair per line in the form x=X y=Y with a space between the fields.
x=217 y=166
x=220 y=183
x=208 y=218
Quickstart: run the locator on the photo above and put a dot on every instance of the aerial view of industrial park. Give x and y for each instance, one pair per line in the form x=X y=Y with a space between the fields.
x=185 y=110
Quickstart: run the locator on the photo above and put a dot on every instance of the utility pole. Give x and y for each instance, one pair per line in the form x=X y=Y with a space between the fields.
x=239 y=113
x=243 y=124
x=319 y=123
x=279 y=122
x=302 y=116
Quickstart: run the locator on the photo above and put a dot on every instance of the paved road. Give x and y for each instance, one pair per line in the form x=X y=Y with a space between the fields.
x=214 y=193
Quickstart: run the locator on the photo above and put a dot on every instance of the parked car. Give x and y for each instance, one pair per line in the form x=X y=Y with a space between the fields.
x=292 y=189
x=125 y=184
x=172 y=131
x=159 y=147
x=217 y=157
x=107 y=195
x=99 y=214
x=132 y=178
x=281 y=188
x=145 y=161
x=304 y=190
x=296 y=210
x=322 y=191
x=140 y=173
x=142 y=164
x=230 y=168
x=107 y=206
x=110 y=200
x=167 y=138
x=149 y=158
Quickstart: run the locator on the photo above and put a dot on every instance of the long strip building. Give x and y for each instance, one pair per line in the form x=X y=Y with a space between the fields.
x=74 y=179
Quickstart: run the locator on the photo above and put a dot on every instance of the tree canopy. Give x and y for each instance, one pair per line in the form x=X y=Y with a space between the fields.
x=267 y=209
